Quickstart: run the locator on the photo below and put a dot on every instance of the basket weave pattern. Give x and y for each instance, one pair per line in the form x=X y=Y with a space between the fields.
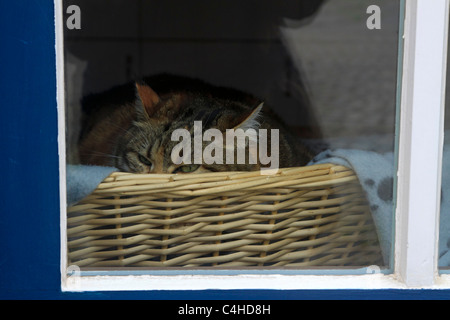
x=300 y=217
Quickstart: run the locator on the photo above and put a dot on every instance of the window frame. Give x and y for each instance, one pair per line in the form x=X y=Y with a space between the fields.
x=420 y=143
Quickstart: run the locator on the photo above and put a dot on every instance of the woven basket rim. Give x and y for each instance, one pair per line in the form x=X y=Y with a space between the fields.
x=218 y=182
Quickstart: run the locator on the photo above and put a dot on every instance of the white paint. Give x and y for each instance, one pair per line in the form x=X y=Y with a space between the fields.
x=255 y=282
x=60 y=98
x=197 y=282
x=252 y=282
x=421 y=141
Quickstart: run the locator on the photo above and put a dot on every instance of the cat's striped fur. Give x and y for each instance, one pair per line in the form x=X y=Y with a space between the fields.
x=130 y=127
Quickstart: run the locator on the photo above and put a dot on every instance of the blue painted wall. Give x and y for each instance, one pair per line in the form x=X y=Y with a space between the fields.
x=29 y=199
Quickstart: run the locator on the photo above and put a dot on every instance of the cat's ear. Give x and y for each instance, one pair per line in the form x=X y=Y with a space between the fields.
x=148 y=98
x=251 y=120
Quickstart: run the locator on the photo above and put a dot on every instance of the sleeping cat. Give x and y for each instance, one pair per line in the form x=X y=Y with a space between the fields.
x=130 y=127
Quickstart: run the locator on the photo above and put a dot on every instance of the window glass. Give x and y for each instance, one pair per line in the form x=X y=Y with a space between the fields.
x=160 y=177
x=444 y=225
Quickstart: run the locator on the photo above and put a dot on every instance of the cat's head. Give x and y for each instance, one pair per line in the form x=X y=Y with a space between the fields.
x=148 y=145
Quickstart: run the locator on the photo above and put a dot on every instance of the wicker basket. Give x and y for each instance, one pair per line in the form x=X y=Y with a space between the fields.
x=300 y=217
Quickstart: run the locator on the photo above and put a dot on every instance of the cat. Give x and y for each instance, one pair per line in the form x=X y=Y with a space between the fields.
x=130 y=127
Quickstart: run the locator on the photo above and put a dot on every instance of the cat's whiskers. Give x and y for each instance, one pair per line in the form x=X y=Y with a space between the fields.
x=124 y=130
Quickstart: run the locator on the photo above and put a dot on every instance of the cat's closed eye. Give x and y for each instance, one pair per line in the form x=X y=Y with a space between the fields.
x=186 y=168
x=144 y=160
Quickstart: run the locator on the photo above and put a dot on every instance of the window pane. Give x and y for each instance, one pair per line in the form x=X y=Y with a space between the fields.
x=153 y=90
x=444 y=224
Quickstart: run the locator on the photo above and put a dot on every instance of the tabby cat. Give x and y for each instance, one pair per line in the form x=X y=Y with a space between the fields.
x=130 y=127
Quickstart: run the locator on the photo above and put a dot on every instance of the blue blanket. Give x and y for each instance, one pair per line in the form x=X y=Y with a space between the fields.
x=375 y=172
x=376 y=175
x=82 y=180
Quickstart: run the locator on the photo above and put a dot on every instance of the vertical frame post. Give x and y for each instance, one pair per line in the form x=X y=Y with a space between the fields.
x=421 y=141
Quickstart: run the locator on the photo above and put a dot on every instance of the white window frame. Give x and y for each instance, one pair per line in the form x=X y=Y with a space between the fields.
x=420 y=144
